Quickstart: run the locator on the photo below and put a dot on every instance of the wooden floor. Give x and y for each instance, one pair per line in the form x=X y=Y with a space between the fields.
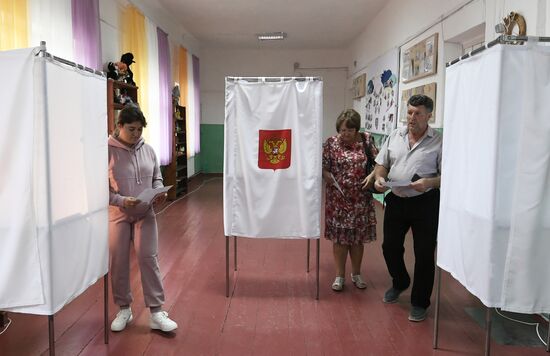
x=271 y=309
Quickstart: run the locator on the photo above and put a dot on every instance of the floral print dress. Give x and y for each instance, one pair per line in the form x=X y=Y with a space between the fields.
x=350 y=217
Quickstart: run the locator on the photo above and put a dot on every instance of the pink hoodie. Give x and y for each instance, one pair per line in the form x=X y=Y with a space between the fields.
x=131 y=170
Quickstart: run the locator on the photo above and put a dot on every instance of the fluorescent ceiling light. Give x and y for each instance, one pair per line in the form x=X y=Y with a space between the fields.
x=270 y=36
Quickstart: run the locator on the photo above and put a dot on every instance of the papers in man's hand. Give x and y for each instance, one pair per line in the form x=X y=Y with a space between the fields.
x=397 y=183
x=149 y=194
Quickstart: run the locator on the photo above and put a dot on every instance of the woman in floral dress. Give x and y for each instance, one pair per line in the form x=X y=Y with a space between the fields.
x=350 y=219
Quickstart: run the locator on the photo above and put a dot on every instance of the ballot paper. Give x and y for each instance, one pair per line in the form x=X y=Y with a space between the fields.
x=397 y=183
x=337 y=185
x=149 y=194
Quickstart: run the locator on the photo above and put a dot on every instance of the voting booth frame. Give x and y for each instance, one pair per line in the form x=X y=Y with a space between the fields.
x=227 y=258
x=306 y=95
x=502 y=40
x=51 y=329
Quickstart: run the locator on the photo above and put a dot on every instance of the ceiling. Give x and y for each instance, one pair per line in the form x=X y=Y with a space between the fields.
x=310 y=24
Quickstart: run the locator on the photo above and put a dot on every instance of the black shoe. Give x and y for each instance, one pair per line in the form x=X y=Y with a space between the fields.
x=392 y=295
x=418 y=314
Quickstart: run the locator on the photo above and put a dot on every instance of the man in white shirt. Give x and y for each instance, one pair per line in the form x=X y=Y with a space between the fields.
x=411 y=154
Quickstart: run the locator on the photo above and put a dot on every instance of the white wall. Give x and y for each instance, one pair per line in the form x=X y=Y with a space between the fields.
x=216 y=64
x=535 y=12
x=417 y=19
x=399 y=22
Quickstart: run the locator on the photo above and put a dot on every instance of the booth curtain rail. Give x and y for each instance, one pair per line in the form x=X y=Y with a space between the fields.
x=67 y=62
x=272 y=79
x=502 y=39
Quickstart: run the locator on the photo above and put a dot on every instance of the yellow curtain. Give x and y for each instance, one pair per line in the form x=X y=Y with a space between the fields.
x=13 y=24
x=184 y=92
x=134 y=40
x=182 y=65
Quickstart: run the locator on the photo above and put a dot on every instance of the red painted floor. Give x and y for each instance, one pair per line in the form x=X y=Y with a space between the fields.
x=271 y=309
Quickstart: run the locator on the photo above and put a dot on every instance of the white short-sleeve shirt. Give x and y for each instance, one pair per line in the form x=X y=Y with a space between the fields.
x=403 y=161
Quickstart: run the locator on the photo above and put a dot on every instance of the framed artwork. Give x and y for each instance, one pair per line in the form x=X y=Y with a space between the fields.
x=359 y=86
x=420 y=60
x=428 y=90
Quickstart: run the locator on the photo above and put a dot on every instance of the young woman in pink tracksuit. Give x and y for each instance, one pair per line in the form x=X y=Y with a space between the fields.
x=133 y=167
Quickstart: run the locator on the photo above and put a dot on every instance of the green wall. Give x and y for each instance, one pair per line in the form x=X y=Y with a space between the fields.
x=211 y=160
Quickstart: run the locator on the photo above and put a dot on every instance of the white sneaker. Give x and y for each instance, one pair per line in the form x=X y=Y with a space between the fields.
x=123 y=317
x=161 y=321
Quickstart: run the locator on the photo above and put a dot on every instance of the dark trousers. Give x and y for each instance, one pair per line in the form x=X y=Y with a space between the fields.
x=421 y=215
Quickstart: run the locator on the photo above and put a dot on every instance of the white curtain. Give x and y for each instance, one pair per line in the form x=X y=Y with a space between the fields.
x=153 y=119
x=494 y=228
x=262 y=202
x=68 y=184
x=20 y=278
x=51 y=21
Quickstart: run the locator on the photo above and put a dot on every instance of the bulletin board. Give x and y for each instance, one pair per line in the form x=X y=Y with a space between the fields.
x=427 y=89
x=420 y=60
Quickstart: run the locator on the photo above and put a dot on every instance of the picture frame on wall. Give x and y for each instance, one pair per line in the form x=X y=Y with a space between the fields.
x=427 y=89
x=359 y=86
x=420 y=60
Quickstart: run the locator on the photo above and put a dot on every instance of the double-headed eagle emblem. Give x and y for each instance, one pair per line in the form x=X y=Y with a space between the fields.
x=275 y=150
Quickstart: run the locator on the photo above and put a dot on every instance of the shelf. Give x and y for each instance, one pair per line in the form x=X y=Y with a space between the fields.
x=181 y=190
x=112 y=106
x=176 y=171
x=123 y=85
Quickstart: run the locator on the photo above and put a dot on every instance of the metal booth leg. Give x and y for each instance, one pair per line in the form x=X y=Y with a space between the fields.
x=548 y=339
x=437 y=301
x=307 y=258
x=317 y=276
x=488 y=322
x=106 y=307
x=235 y=253
x=51 y=335
x=227 y=266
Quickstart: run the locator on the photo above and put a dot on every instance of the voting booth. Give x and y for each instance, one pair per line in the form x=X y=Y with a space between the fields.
x=494 y=222
x=54 y=189
x=272 y=160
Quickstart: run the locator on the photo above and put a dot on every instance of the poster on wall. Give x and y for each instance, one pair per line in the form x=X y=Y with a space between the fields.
x=420 y=60
x=427 y=89
x=380 y=102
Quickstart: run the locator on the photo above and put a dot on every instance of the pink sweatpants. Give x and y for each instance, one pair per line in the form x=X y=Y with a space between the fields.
x=123 y=231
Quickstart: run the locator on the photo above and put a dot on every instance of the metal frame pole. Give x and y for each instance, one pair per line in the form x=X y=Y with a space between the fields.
x=51 y=335
x=227 y=266
x=235 y=253
x=437 y=301
x=548 y=339
x=488 y=322
x=317 y=276
x=307 y=258
x=106 y=307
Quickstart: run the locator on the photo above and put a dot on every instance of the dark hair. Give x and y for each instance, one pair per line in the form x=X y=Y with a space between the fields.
x=420 y=99
x=131 y=113
x=351 y=118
